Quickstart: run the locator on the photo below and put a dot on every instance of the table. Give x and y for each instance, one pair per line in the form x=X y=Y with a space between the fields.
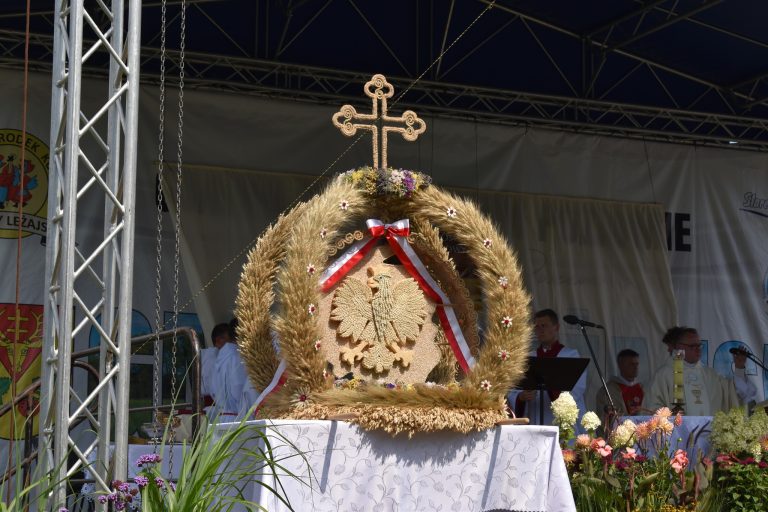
x=699 y=426
x=515 y=468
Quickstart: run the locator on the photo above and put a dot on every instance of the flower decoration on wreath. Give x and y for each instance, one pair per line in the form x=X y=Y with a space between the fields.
x=277 y=272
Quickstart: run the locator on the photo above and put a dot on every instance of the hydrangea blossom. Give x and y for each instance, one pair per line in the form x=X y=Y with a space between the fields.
x=565 y=410
x=590 y=421
x=624 y=433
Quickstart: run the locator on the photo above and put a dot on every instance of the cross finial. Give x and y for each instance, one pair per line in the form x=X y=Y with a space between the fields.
x=408 y=124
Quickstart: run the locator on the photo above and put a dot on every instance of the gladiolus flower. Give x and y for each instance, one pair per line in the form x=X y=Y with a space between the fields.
x=679 y=461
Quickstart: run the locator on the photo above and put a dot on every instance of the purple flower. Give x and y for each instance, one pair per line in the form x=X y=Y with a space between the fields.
x=119 y=505
x=173 y=486
x=149 y=458
x=63 y=509
x=159 y=482
x=409 y=182
x=103 y=498
x=112 y=497
x=141 y=481
x=124 y=487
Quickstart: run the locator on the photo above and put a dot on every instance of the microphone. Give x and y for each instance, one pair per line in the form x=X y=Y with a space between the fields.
x=574 y=320
x=739 y=351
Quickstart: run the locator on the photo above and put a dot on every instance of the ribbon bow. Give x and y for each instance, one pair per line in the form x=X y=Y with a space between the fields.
x=379 y=229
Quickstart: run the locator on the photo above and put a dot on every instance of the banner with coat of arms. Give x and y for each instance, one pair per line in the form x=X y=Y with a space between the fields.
x=23 y=213
x=21 y=341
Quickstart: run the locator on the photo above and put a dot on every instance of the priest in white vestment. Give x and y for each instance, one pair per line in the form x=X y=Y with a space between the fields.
x=228 y=379
x=706 y=391
x=546 y=327
x=745 y=388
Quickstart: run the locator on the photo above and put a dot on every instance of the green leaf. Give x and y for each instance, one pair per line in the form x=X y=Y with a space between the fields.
x=613 y=481
x=648 y=480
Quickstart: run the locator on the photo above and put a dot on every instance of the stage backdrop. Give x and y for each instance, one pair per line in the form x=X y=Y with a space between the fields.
x=715 y=205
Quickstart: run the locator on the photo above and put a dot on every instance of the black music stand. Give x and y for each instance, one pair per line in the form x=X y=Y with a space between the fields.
x=552 y=373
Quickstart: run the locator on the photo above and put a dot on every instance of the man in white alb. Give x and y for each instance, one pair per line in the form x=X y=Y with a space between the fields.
x=229 y=378
x=706 y=392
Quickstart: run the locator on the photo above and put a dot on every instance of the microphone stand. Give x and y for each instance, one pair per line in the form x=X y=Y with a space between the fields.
x=754 y=358
x=599 y=371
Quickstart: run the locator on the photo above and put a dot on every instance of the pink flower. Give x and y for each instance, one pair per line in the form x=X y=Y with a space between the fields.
x=503 y=355
x=629 y=453
x=679 y=461
x=678 y=419
x=605 y=451
x=583 y=441
x=601 y=447
x=569 y=456
x=664 y=412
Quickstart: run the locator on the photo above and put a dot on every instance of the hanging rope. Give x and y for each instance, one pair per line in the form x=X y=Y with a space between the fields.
x=156 y=393
x=177 y=247
x=16 y=312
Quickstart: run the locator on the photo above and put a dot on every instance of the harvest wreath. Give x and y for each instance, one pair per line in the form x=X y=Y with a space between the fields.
x=288 y=271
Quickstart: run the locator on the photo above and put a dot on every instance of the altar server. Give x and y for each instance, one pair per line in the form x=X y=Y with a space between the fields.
x=546 y=327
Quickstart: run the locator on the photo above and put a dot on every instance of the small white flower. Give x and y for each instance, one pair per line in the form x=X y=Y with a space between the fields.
x=323 y=232
x=317 y=344
x=344 y=204
x=590 y=421
x=311 y=269
x=503 y=282
x=487 y=242
x=506 y=322
x=300 y=399
x=311 y=309
x=485 y=385
x=503 y=355
x=451 y=212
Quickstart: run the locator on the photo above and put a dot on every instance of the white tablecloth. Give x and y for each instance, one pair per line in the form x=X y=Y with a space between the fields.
x=694 y=430
x=512 y=468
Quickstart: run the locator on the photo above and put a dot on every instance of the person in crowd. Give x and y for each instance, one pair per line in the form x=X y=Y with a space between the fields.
x=229 y=377
x=546 y=327
x=745 y=388
x=627 y=393
x=219 y=336
x=705 y=391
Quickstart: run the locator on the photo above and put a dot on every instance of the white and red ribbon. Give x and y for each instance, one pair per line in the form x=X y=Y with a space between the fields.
x=396 y=235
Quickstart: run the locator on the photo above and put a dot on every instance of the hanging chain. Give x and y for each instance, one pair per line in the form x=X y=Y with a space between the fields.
x=177 y=248
x=156 y=393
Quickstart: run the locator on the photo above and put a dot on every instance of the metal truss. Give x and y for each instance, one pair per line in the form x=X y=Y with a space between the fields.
x=274 y=79
x=104 y=178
